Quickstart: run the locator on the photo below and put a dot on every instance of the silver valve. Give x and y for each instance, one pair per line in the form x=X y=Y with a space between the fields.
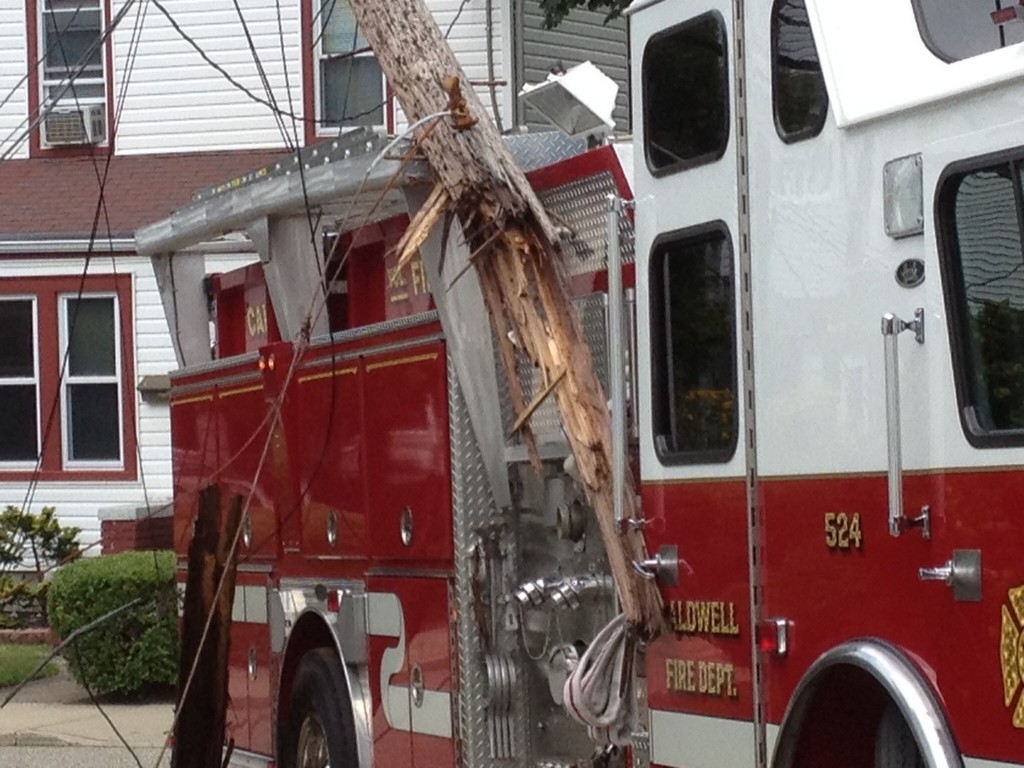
x=962 y=572
x=664 y=566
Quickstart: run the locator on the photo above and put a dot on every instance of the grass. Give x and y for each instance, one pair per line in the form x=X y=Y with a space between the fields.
x=17 y=661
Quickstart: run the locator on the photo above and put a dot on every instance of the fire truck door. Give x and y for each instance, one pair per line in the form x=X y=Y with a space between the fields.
x=974 y=575
x=693 y=458
x=412 y=682
x=250 y=720
x=405 y=407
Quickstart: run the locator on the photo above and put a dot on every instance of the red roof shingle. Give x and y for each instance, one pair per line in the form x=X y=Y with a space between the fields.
x=56 y=198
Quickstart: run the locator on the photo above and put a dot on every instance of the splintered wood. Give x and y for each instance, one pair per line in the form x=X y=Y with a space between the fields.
x=516 y=256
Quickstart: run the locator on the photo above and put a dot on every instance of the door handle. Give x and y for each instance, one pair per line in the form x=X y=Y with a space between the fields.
x=892 y=327
x=962 y=572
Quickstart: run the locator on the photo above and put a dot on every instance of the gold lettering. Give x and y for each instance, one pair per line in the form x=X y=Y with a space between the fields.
x=704 y=678
x=679 y=675
x=419 y=277
x=256 y=319
x=703 y=617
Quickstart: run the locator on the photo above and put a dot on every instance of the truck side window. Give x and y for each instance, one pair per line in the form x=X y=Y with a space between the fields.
x=961 y=29
x=693 y=346
x=983 y=258
x=686 y=95
x=799 y=99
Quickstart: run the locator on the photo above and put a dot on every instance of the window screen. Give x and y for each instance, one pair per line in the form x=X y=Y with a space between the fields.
x=984 y=264
x=693 y=346
x=92 y=383
x=686 y=95
x=19 y=440
x=799 y=99
x=959 y=29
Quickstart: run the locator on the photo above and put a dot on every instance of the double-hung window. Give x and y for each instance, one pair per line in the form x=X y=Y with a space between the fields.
x=351 y=83
x=91 y=386
x=72 y=52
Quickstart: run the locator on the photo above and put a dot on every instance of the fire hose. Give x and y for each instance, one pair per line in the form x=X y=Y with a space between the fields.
x=600 y=693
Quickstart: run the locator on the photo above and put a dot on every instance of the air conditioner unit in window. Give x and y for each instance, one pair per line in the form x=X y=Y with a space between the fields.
x=65 y=127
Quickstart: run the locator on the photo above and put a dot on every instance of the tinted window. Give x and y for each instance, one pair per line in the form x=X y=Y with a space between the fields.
x=18 y=431
x=686 y=95
x=17 y=346
x=694 y=357
x=799 y=98
x=962 y=28
x=984 y=262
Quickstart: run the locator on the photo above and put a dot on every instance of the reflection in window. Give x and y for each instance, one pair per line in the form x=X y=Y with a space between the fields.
x=19 y=439
x=72 y=49
x=351 y=80
x=693 y=349
x=686 y=95
x=988 y=272
x=964 y=28
x=799 y=98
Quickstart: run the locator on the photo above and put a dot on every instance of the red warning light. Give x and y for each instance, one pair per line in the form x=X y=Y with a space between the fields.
x=333 y=600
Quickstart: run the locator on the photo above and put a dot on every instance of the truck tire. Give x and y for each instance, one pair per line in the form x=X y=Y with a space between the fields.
x=895 y=746
x=320 y=731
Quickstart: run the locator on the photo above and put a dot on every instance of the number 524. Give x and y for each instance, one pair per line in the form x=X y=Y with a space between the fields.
x=842 y=531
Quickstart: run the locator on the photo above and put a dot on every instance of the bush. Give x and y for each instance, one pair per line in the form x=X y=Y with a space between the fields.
x=36 y=543
x=136 y=649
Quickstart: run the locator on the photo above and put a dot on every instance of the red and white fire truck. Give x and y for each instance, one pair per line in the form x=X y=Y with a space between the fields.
x=823 y=367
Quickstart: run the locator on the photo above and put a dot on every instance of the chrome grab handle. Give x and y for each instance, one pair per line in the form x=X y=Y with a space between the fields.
x=616 y=355
x=892 y=327
x=962 y=572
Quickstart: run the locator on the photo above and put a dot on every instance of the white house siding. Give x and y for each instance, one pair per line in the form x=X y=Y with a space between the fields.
x=78 y=503
x=176 y=102
x=582 y=36
x=13 y=87
x=468 y=40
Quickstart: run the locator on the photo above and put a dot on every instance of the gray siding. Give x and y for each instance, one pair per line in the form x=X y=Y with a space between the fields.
x=582 y=36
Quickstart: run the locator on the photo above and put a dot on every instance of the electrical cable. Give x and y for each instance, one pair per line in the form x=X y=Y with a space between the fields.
x=278 y=117
x=45 y=109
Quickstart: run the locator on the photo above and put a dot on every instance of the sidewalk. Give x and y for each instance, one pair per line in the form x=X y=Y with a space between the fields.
x=55 y=711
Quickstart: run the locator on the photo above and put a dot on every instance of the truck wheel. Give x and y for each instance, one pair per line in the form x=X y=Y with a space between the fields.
x=895 y=746
x=320 y=731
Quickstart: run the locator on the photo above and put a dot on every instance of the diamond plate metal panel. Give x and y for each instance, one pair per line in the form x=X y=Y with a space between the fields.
x=476 y=520
x=546 y=421
x=536 y=150
x=582 y=208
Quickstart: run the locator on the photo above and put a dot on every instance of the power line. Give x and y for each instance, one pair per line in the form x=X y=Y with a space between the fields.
x=278 y=117
x=45 y=109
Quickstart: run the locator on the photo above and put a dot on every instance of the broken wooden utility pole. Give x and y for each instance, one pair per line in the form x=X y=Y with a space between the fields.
x=206 y=634
x=515 y=251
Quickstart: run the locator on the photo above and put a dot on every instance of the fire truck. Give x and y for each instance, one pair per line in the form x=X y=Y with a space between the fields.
x=802 y=280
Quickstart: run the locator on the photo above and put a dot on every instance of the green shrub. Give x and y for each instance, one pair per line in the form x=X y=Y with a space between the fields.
x=136 y=649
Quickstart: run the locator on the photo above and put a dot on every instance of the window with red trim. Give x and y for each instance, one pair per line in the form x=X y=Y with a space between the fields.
x=348 y=83
x=69 y=69
x=66 y=400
